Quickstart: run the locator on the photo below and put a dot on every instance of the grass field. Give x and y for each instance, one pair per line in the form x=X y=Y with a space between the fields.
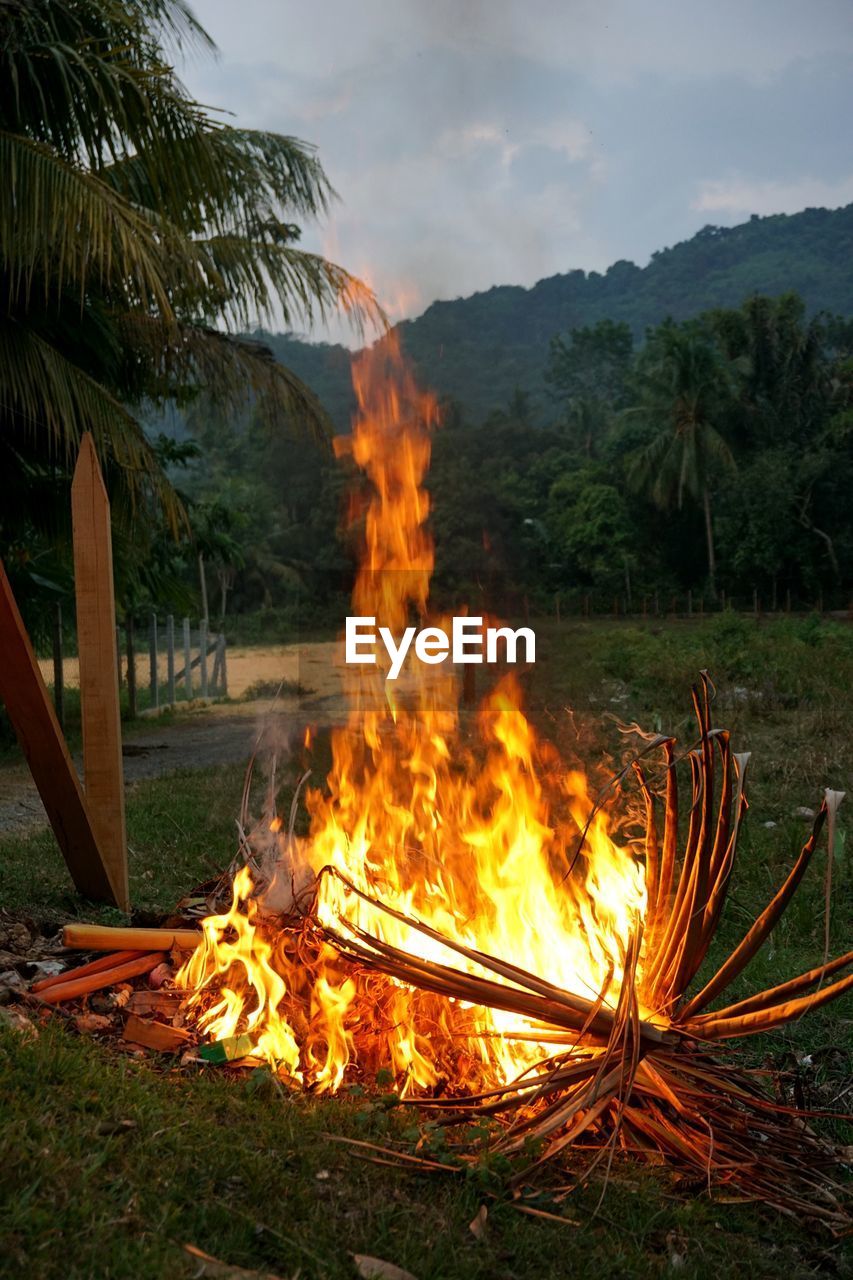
x=110 y=1164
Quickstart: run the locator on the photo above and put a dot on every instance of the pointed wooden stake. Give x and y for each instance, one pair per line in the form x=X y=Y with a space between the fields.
x=33 y=718
x=103 y=772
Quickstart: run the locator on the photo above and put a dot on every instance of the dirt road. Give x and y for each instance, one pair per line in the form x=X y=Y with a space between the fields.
x=220 y=733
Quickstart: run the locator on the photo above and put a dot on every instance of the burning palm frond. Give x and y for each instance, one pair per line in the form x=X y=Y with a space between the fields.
x=647 y=1083
x=629 y=1068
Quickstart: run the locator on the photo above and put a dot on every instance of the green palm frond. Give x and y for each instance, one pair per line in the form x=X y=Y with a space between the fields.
x=651 y=469
x=61 y=226
x=41 y=392
x=217 y=178
x=262 y=277
x=233 y=372
x=88 y=77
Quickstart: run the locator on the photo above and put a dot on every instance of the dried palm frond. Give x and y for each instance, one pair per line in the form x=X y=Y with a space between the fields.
x=645 y=1081
x=630 y=1068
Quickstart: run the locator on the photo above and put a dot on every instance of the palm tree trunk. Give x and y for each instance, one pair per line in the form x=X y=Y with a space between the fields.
x=709 y=540
x=202 y=577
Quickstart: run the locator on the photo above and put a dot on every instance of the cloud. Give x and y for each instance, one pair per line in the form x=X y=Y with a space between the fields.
x=490 y=142
x=739 y=195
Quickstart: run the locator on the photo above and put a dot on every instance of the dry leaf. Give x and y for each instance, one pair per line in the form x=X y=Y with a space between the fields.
x=89 y=1023
x=377 y=1269
x=162 y=973
x=210 y=1266
x=477 y=1225
x=676 y=1247
x=109 y=1128
x=17 y=1021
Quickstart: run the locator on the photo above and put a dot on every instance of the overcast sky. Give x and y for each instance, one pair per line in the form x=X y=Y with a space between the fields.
x=481 y=142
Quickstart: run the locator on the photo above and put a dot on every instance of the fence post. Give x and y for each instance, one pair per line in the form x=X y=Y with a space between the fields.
x=131 y=667
x=755 y=601
x=58 y=670
x=223 y=670
x=170 y=656
x=787 y=599
x=214 y=675
x=152 y=662
x=690 y=603
x=202 y=645
x=657 y=605
x=188 y=670
x=557 y=607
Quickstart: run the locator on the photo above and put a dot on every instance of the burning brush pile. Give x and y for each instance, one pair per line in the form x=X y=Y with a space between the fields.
x=466 y=913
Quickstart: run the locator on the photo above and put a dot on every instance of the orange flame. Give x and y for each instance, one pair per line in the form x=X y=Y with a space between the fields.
x=479 y=842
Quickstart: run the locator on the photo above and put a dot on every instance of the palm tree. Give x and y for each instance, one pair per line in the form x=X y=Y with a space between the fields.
x=685 y=386
x=138 y=235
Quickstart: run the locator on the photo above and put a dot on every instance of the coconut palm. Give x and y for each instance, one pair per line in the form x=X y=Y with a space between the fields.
x=685 y=387
x=138 y=235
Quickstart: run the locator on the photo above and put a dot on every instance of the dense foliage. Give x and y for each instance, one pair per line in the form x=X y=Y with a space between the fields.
x=716 y=457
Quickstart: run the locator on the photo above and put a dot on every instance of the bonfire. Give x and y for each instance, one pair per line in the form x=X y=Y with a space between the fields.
x=512 y=943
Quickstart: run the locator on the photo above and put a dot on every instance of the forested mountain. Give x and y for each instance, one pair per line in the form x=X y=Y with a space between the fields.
x=687 y=426
x=478 y=350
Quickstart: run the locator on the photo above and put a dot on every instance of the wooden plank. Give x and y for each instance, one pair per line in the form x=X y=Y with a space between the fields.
x=155 y=1035
x=33 y=718
x=166 y=1001
x=103 y=772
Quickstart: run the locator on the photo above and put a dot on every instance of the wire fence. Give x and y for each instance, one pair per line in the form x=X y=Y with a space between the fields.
x=668 y=604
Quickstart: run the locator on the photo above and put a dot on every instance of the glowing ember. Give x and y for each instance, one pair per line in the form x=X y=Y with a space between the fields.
x=475 y=842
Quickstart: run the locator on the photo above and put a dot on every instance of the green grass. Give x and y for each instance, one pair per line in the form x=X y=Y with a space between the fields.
x=247 y=1173
x=180 y=832
x=244 y=1170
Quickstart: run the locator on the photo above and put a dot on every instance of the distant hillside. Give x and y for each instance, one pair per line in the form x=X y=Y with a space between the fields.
x=479 y=349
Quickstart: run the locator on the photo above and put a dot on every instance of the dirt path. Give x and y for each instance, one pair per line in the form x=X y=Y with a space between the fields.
x=315 y=667
x=223 y=733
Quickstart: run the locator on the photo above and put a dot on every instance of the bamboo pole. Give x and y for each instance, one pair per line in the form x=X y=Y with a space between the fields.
x=101 y=937
x=108 y=961
x=154 y=678
x=188 y=675
x=105 y=978
x=131 y=667
x=170 y=657
x=202 y=646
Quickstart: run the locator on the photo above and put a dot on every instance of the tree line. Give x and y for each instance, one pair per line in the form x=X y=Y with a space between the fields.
x=715 y=458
